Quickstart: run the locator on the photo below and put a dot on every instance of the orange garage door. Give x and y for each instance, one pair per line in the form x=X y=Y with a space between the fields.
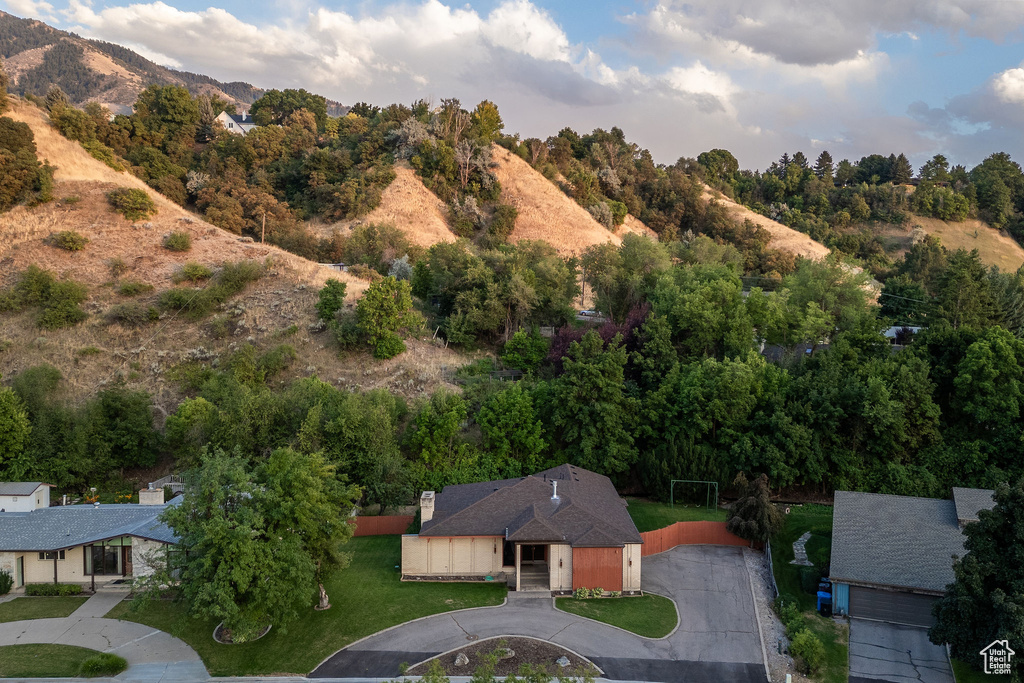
x=597 y=568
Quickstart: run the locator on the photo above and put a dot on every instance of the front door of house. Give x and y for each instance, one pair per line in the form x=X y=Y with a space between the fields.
x=533 y=553
x=19 y=572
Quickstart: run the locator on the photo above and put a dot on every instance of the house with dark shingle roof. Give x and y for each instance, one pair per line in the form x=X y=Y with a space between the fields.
x=84 y=544
x=557 y=530
x=240 y=124
x=892 y=556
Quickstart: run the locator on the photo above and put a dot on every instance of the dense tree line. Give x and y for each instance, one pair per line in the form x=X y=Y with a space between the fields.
x=23 y=178
x=672 y=387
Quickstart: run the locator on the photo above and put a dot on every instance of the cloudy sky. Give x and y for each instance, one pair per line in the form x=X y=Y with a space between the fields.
x=757 y=77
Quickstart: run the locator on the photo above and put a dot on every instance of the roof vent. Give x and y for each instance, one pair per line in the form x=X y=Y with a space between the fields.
x=96 y=504
x=554 y=491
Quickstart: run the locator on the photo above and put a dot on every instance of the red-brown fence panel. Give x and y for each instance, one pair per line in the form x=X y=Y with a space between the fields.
x=597 y=568
x=381 y=526
x=688 y=533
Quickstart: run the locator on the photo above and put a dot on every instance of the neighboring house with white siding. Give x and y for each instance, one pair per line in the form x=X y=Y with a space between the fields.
x=84 y=544
x=239 y=124
x=24 y=496
x=557 y=530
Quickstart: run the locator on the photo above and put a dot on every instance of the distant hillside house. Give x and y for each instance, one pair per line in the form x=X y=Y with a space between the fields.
x=84 y=544
x=558 y=530
x=239 y=124
x=24 y=496
x=892 y=556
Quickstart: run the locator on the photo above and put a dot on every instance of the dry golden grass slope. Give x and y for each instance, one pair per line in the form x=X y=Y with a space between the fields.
x=995 y=247
x=545 y=212
x=634 y=225
x=408 y=205
x=783 y=238
x=279 y=308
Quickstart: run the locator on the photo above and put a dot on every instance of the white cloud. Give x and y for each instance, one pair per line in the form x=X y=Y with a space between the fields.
x=36 y=9
x=815 y=32
x=1009 y=86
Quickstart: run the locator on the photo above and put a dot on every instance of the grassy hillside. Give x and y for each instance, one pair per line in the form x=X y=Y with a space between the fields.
x=783 y=238
x=276 y=309
x=995 y=247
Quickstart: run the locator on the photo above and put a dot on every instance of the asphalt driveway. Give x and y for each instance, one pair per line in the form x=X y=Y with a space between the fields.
x=717 y=638
x=895 y=653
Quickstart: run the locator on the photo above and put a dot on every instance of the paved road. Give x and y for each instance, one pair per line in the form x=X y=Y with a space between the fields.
x=153 y=656
x=717 y=638
x=898 y=654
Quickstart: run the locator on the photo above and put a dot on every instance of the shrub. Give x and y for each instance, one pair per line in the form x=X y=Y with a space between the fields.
x=6 y=582
x=193 y=272
x=614 y=594
x=331 y=300
x=231 y=280
x=50 y=590
x=68 y=240
x=117 y=266
x=809 y=577
x=789 y=615
x=132 y=203
x=581 y=593
x=364 y=272
x=178 y=241
x=134 y=288
x=103 y=664
x=133 y=314
x=503 y=222
x=101 y=152
x=597 y=593
x=808 y=651
x=61 y=308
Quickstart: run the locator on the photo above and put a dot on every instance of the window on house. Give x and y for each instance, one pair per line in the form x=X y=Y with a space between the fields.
x=231 y=125
x=107 y=558
x=57 y=555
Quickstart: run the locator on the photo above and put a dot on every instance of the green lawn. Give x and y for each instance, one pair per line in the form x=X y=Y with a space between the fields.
x=648 y=515
x=42 y=661
x=964 y=673
x=814 y=518
x=39 y=608
x=651 y=616
x=366 y=597
x=836 y=639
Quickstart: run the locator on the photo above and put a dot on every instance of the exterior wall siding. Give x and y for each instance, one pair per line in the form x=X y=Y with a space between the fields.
x=560 y=567
x=454 y=556
x=597 y=568
x=841 y=598
x=7 y=563
x=381 y=526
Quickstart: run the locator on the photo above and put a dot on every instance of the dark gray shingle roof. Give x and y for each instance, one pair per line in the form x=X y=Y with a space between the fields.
x=588 y=512
x=969 y=501
x=71 y=525
x=19 y=488
x=894 y=540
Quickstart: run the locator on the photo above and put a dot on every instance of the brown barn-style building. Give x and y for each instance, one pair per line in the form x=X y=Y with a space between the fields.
x=557 y=530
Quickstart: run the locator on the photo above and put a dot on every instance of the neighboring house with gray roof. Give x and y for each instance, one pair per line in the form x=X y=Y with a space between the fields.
x=85 y=544
x=22 y=496
x=892 y=556
x=240 y=124
x=556 y=530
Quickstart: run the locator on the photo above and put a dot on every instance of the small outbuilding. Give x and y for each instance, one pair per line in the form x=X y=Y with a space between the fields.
x=557 y=530
x=892 y=556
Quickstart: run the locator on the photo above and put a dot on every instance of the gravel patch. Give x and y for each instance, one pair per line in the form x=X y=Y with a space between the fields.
x=527 y=651
x=774 y=632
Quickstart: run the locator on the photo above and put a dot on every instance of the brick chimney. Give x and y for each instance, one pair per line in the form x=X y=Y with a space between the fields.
x=426 y=506
x=151 y=496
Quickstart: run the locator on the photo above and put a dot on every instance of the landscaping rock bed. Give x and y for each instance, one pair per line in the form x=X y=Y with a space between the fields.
x=223 y=635
x=525 y=651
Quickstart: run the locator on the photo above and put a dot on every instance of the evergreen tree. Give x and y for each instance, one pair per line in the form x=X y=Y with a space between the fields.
x=753 y=516
x=823 y=166
x=902 y=171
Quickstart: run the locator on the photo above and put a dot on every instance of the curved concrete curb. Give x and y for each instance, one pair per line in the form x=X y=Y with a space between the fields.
x=757 y=618
x=626 y=630
x=405 y=623
x=484 y=640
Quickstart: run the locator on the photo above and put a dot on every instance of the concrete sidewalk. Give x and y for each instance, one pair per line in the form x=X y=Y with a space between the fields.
x=101 y=602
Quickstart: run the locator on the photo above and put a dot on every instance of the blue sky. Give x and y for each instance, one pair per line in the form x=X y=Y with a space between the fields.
x=678 y=76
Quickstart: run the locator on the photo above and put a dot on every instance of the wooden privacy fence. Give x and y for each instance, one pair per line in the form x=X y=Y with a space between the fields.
x=688 y=533
x=381 y=526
